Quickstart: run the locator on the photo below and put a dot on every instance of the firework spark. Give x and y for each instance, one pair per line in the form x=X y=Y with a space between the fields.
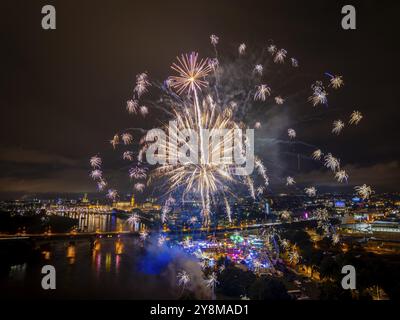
x=319 y=95
x=191 y=73
x=101 y=185
x=272 y=49
x=285 y=215
x=336 y=82
x=338 y=126
x=142 y=84
x=96 y=174
x=364 y=191
x=144 y=111
x=132 y=106
x=295 y=63
x=279 y=100
x=262 y=92
x=127 y=155
x=143 y=235
x=258 y=69
x=183 y=278
x=139 y=186
x=294 y=256
x=95 y=162
x=331 y=162
x=280 y=56
x=291 y=133
x=242 y=49
x=311 y=191
x=126 y=138
x=161 y=240
x=317 y=154
x=214 y=39
x=133 y=219
x=290 y=181
x=112 y=194
x=115 y=140
x=355 y=117
x=138 y=173
x=335 y=238
x=341 y=176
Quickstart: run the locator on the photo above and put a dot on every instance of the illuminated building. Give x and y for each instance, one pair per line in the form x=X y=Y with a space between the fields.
x=125 y=205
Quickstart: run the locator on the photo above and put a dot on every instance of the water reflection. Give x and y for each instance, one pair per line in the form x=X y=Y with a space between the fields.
x=89 y=222
x=71 y=253
x=110 y=268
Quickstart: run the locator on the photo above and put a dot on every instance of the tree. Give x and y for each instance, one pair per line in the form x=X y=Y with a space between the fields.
x=235 y=282
x=329 y=268
x=266 y=288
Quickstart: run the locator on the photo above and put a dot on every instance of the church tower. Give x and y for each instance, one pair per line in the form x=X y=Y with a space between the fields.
x=133 y=201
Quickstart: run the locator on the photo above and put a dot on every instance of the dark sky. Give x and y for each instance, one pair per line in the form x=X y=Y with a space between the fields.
x=63 y=92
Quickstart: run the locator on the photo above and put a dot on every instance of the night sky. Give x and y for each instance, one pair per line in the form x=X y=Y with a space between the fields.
x=63 y=92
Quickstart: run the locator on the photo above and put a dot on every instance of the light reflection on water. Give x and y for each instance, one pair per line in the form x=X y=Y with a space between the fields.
x=102 y=268
x=87 y=222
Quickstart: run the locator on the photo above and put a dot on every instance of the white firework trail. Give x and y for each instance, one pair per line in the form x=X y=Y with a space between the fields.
x=338 y=126
x=262 y=92
x=132 y=106
x=311 y=191
x=341 y=176
x=144 y=111
x=290 y=181
x=138 y=173
x=272 y=49
x=161 y=240
x=139 y=186
x=242 y=49
x=364 y=191
x=143 y=235
x=355 y=117
x=317 y=154
x=96 y=174
x=127 y=155
x=112 y=194
x=95 y=162
x=214 y=39
x=331 y=162
x=319 y=95
x=115 y=140
x=101 y=185
x=279 y=100
x=258 y=69
x=336 y=82
x=183 y=278
x=133 y=219
x=142 y=84
x=126 y=138
x=291 y=133
x=280 y=56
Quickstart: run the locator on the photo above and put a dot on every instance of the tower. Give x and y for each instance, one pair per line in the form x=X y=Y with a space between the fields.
x=85 y=198
x=133 y=201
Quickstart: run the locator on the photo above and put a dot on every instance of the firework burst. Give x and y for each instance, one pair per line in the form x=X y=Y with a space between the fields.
x=364 y=191
x=311 y=191
x=355 y=117
x=210 y=94
x=191 y=73
x=338 y=126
